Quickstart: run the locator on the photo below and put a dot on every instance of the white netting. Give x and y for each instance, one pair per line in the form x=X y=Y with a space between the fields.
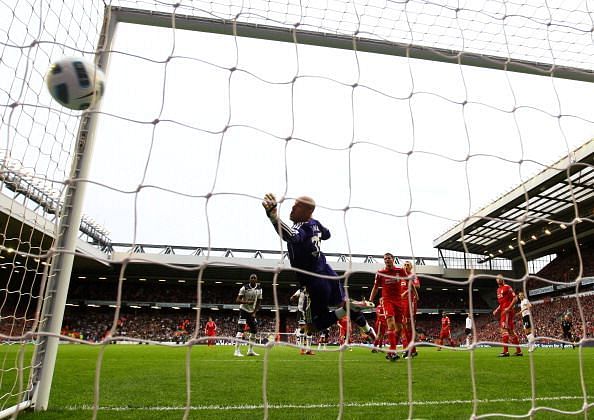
x=195 y=127
x=557 y=32
x=35 y=158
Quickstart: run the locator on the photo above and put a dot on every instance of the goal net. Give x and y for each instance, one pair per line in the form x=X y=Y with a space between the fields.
x=401 y=119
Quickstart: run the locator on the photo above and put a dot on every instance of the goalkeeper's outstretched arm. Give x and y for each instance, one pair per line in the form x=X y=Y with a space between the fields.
x=285 y=231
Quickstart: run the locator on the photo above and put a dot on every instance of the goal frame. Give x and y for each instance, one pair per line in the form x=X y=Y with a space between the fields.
x=58 y=278
x=354 y=42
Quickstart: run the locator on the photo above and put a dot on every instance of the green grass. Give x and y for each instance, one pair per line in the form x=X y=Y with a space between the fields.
x=148 y=382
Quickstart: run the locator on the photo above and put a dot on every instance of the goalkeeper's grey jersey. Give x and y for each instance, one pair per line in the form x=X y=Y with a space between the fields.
x=252 y=295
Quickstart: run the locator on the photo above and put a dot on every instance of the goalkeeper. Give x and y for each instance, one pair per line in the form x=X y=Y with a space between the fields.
x=303 y=245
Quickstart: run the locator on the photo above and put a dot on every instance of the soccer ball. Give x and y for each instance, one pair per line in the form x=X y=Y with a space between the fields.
x=75 y=82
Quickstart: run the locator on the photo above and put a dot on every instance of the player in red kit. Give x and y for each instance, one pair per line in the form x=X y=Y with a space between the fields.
x=507 y=299
x=410 y=299
x=381 y=325
x=389 y=280
x=344 y=334
x=445 y=332
x=210 y=330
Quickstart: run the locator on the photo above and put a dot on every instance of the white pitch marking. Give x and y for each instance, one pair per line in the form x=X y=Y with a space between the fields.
x=313 y=406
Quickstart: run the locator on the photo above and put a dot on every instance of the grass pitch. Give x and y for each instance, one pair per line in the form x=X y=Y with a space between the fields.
x=149 y=382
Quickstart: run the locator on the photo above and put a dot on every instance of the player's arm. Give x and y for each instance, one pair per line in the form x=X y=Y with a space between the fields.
x=416 y=292
x=240 y=297
x=403 y=287
x=374 y=289
x=496 y=309
x=285 y=231
x=416 y=285
x=295 y=297
x=325 y=232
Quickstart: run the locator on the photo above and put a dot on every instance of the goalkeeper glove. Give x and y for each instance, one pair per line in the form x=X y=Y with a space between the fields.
x=270 y=205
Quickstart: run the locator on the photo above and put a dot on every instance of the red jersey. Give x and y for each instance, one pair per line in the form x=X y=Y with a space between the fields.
x=210 y=328
x=389 y=281
x=380 y=312
x=343 y=324
x=445 y=323
x=416 y=284
x=405 y=291
x=505 y=296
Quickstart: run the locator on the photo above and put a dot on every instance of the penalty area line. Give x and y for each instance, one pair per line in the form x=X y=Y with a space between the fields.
x=315 y=406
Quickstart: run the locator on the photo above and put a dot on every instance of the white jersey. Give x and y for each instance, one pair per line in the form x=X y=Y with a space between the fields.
x=468 y=323
x=303 y=299
x=252 y=295
x=525 y=307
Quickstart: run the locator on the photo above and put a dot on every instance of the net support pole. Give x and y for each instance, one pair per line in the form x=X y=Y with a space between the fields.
x=58 y=279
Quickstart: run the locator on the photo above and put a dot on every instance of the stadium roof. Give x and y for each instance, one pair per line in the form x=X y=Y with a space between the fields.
x=539 y=216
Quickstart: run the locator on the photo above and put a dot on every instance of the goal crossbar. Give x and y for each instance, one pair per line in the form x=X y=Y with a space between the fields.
x=323 y=39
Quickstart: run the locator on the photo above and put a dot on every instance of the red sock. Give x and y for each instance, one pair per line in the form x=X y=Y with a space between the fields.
x=516 y=341
x=404 y=338
x=392 y=339
x=378 y=335
x=505 y=341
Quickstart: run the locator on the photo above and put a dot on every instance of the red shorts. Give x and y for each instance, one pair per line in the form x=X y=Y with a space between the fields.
x=506 y=320
x=444 y=334
x=393 y=308
x=381 y=323
x=407 y=312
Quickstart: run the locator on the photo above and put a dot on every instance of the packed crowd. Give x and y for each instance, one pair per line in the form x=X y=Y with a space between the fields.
x=223 y=294
x=179 y=326
x=94 y=324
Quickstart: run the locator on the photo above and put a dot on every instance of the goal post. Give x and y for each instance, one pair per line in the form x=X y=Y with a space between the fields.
x=58 y=278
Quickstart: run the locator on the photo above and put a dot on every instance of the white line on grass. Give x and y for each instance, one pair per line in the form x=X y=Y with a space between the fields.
x=314 y=406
